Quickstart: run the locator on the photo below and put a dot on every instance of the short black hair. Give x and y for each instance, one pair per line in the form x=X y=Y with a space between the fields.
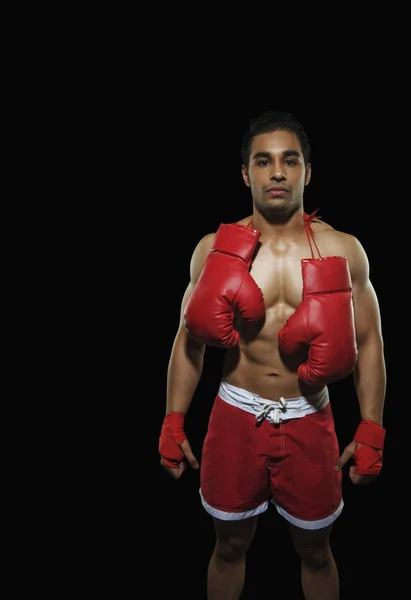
x=272 y=120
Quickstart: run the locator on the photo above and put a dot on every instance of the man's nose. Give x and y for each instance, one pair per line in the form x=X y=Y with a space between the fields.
x=277 y=172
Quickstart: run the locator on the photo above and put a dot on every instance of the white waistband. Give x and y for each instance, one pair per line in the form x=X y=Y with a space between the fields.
x=273 y=410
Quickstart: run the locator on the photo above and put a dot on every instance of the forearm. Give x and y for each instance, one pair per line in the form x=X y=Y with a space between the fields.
x=370 y=380
x=184 y=372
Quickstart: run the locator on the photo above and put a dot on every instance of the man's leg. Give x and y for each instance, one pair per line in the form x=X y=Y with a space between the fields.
x=319 y=574
x=226 y=570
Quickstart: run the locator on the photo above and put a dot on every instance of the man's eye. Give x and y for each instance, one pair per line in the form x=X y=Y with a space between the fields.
x=290 y=162
x=262 y=163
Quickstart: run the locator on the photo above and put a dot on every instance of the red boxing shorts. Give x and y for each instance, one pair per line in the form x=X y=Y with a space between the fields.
x=258 y=451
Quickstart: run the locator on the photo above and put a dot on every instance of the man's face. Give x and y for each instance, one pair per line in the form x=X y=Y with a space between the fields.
x=276 y=173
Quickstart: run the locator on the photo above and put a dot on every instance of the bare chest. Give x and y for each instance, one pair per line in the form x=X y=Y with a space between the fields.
x=277 y=271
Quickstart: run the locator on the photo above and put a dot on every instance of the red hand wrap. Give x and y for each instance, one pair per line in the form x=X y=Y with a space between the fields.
x=172 y=435
x=368 y=457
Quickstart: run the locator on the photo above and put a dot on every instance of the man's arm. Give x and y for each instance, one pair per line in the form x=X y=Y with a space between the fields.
x=185 y=365
x=183 y=375
x=187 y=354
x=369 y=374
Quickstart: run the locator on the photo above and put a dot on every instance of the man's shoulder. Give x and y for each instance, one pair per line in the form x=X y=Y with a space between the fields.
x=332 y=240
x=319 y=226
x=208 y=238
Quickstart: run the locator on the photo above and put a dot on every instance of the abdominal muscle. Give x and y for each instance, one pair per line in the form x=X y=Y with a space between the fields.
x=255 y=363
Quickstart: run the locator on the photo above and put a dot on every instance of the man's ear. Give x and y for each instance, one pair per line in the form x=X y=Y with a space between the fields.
x=308 y=174
x=244 y=173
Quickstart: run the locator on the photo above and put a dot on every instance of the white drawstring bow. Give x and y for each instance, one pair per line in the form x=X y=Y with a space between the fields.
x=273 y=411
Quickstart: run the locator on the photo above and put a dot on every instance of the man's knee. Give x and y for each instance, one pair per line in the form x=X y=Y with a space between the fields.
x=234 y=538
x=316 y=558
x=312 y=546
x=231 y=549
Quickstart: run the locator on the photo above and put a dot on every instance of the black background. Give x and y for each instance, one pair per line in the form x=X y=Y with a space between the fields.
x=179 y=179
x=155 y=109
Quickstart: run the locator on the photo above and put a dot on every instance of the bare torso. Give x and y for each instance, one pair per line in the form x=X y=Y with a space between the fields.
x=255 y=364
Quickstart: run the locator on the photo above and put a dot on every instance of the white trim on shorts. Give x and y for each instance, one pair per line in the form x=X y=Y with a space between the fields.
x=236 y=516
x=240 y=516
x=317 y=524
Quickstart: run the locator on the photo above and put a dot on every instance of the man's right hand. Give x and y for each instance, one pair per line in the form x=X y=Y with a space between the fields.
x=174 y=446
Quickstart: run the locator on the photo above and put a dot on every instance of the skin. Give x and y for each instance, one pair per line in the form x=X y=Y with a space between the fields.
x=255 y=364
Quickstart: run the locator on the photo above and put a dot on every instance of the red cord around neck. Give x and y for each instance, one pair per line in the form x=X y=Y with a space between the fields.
x=308 y=219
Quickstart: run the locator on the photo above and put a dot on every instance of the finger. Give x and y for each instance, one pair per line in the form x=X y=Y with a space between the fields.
x=191 y=459
x=345 y=456
x=181 y=467
x=357 y=479
x=174 y=472
x=361 y=479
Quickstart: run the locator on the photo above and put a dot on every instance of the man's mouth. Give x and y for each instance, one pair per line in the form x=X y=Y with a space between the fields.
x=277 y=191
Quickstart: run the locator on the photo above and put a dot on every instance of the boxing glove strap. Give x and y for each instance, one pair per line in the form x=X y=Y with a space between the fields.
x=371 y=434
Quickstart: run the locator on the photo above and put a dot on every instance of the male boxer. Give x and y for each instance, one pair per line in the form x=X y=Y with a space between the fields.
x=290 y=299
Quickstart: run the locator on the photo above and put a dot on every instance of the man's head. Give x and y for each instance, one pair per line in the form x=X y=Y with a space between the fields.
x=275 y=121
x=275 y=154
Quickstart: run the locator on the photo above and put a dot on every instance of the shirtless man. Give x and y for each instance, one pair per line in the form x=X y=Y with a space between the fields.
x=290 y=299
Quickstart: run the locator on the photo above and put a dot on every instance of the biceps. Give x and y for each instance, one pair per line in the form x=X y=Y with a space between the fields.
x=186 y=297
x=366 y=313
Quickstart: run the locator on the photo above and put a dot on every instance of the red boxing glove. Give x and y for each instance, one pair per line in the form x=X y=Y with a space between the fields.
x=225 y=287
x=172 y=435
x=324 y=321
x=368 y=457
